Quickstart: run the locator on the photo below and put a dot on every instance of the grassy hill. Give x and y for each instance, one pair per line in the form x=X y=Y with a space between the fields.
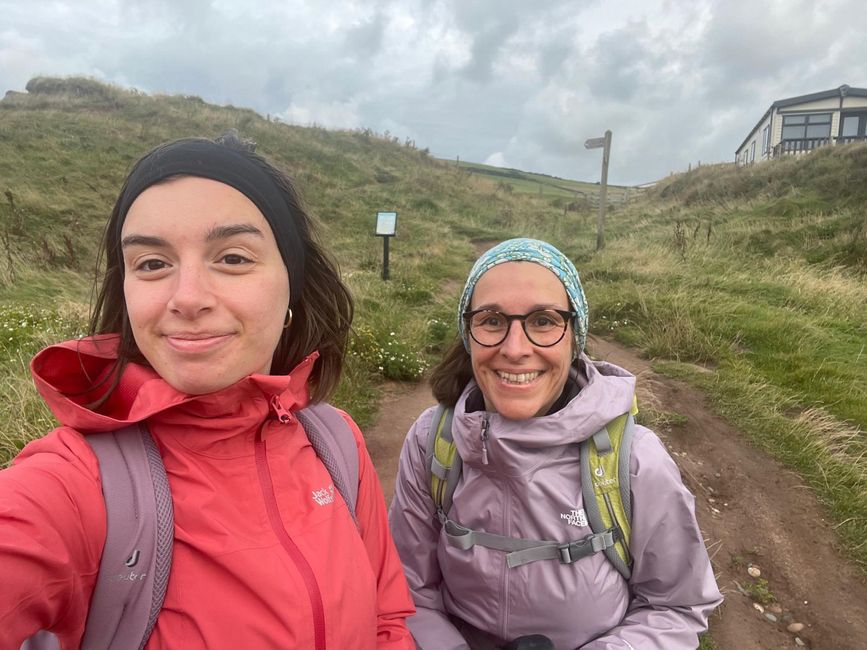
x=749 y=282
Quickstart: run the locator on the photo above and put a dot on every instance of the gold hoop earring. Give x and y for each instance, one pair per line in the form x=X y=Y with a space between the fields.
x=288 y=319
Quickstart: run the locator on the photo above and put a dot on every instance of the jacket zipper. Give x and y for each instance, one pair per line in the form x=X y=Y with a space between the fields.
x=504 y=592
x=484 y=436
x=282 y=414
x=304 y=569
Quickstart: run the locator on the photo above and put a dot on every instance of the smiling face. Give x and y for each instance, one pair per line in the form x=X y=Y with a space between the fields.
x=205 y=287
x=520 y=380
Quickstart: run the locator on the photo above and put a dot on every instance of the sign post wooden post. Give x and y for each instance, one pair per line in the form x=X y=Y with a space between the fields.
x=386 y=224
x=605 y=144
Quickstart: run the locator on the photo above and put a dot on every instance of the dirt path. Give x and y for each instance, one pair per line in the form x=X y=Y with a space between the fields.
x=750 y=508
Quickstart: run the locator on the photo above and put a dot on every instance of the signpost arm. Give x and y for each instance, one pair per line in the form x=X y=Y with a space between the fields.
x=603 y=194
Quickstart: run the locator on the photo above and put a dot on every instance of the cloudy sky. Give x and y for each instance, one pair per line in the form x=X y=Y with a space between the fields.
x=515 y=83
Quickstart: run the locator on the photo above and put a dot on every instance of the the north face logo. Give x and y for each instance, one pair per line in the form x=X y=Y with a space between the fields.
x=575 y=518
x=324 y=496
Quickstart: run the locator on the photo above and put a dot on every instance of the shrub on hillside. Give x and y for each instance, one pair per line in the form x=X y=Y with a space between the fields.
x=76 y=87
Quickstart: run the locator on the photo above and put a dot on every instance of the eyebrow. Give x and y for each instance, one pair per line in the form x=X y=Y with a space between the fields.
x=214 y=234
x=493 y=306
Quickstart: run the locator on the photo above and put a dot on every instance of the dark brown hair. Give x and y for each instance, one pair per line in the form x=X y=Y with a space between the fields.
x=321 y=319
x=452 y=374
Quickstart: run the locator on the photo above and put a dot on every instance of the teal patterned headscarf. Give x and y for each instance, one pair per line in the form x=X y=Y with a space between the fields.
x=542 y=253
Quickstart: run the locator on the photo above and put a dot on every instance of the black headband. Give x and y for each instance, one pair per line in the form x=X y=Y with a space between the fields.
x=207 y=159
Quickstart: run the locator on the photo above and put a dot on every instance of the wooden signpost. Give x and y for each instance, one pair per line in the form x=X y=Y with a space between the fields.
x=603 y=143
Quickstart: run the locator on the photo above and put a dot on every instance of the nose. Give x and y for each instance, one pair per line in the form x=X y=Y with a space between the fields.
x=516 y=344
x=192 y=293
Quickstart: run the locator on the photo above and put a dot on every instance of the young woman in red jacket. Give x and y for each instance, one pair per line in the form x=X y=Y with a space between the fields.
x=218 y=318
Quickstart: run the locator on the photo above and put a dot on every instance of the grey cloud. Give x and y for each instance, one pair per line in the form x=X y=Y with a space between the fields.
x=182 y=16
x=365 y=39
x=620 y=64
x=492 y=23
x=552 y=55
x=748 y=51
x=487 y=42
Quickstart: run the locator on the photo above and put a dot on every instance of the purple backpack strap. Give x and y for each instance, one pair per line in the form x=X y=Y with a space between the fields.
x=42 y=640
x=332 y=438
x=136 y=560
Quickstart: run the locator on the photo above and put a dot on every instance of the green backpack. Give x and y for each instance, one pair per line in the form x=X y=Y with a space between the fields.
x=604 y=461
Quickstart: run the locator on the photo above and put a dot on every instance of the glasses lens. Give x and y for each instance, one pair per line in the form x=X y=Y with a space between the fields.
x=488 y=327
x=544 y=327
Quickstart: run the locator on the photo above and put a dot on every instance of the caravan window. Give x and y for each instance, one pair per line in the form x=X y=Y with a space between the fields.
x=807 y=126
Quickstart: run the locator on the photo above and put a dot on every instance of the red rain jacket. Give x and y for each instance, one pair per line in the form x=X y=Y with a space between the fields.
x=240 y=578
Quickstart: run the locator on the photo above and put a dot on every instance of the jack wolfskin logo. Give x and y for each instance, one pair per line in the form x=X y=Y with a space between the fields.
x=132 y=560
x=132 y=576
x=324 y=496
x=575 y=518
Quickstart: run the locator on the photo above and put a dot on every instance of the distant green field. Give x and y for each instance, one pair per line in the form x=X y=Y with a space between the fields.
x=549 y=186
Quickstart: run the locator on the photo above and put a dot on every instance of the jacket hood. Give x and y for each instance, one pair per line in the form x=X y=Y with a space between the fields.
x=515 y=446
x=74 y=374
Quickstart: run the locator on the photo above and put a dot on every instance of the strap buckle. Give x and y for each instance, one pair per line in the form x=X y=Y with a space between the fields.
x=574 y=551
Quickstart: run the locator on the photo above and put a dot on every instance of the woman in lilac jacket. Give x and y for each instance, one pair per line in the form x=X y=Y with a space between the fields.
x=524 y=396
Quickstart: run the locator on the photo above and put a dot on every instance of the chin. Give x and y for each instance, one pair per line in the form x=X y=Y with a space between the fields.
x=195 y=389
x=512 y=411
x=195 y=386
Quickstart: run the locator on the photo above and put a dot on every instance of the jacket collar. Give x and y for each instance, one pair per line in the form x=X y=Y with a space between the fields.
x=66 y=373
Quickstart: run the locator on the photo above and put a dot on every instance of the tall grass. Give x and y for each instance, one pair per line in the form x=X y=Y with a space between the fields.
x=772 y=298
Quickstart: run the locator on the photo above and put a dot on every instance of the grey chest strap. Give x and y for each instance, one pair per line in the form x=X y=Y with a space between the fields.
x=523 y=551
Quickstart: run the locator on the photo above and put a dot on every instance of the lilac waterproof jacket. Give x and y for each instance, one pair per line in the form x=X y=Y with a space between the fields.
x=531 y=488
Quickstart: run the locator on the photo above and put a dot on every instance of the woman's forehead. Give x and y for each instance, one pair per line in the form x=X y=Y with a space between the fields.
x=520 y=282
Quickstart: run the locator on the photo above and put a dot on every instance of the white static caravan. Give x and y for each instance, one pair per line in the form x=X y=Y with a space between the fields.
x=800 y=124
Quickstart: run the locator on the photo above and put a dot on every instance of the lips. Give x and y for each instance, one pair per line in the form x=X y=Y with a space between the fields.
x=196 y=342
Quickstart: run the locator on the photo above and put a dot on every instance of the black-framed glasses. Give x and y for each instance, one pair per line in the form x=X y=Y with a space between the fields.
x=544 y=327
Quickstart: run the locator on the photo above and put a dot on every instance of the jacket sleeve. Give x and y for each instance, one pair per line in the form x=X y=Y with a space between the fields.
x=416 y=533
x=394 y=603
x=672 y=585
x=52 y=528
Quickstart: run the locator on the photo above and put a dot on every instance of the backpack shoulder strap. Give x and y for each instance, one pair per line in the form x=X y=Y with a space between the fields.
x=605 y=486
x=442 y=460
x=137 y=557
x=332 y=438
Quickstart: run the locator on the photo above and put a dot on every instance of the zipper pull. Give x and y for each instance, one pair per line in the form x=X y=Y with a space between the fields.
x=485 y=426
x=282 y=414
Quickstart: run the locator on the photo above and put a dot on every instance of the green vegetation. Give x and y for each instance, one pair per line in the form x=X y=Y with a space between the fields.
x=579 y=193
x=759 y=592
x=755 y=274
x=706 y=643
